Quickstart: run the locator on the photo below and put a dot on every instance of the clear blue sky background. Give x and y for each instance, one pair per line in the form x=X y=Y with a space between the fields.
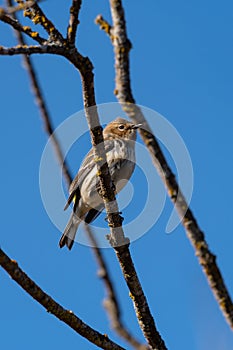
x=181 y=66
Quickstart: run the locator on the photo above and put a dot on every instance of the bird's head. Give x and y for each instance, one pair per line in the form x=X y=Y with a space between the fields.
x=121 y=128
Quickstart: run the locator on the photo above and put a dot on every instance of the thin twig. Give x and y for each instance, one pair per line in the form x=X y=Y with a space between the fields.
x=124 y=94
x=13 y=9
x=37 y=16
x=66 y=316
x=104 y=25
x=73 y=22
x=24 y=29
x=31 y=50
x=111 y=302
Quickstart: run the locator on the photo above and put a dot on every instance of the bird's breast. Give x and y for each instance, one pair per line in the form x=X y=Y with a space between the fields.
x=121 y=149
x=121 y=161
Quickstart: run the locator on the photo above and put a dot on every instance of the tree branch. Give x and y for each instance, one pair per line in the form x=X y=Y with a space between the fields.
x=111 y=302
x=73 y=22
x=66 y=316
x=116 y=238
x=124 y=94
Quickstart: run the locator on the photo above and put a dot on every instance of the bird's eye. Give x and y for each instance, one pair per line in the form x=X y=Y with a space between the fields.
x=121 y=127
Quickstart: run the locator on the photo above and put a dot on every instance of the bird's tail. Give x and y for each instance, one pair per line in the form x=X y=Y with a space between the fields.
x=70 y=232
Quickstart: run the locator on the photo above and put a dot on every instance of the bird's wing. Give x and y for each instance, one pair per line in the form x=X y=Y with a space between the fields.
x=74 y=190
x=86 y=167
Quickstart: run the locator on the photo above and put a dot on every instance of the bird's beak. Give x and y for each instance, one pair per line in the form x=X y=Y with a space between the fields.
x=136 y=126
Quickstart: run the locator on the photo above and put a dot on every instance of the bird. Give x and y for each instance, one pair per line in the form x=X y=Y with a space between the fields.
x=119 y=141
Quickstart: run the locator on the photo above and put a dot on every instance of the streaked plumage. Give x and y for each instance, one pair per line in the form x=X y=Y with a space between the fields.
x=119 y=140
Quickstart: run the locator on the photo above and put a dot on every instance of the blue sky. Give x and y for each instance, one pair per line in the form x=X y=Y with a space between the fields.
x=181 y=66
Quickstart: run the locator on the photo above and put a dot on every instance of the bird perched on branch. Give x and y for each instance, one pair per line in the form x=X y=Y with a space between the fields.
x=119 y=141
